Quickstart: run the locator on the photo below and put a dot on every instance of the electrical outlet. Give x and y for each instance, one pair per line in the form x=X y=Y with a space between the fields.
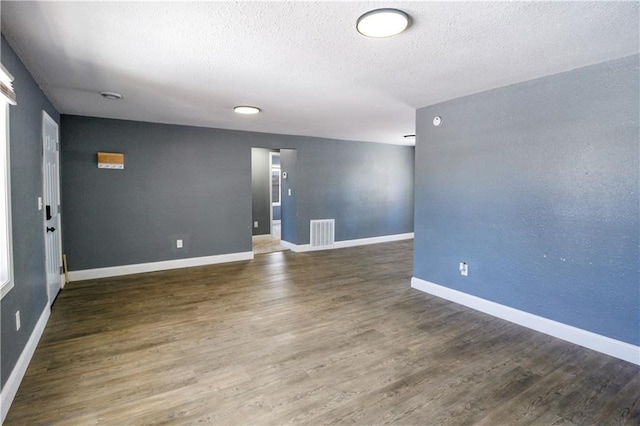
x=18 y=320
x=464 y=269
x=179 y=243
x=255 y=224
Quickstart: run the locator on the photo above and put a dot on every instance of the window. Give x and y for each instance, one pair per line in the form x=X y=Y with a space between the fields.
x=274 y=163
x=7 y=97
x=275 y=185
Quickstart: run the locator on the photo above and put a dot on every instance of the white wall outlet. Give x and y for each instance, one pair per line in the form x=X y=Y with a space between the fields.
x=18 y=320
x=179 y=243
x=464 y=269
x=255 y=224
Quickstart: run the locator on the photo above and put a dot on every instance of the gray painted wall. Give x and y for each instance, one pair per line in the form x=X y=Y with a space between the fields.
x=184 y=183
x=195 y=184
x=29 y=294
x=261 y=201
x=536 y=187
x=367 y=191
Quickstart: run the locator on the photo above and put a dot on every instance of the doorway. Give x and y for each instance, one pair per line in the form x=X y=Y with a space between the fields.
x=266 y=200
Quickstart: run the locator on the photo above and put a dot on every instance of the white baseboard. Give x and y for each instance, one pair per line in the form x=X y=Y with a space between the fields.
x=348 y=243
x=10 y=388
x=290 y=246
x=587 y=339
x=115 y=271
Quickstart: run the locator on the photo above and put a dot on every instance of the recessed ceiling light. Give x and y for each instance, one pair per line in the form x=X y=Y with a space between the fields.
x=111 y=95
x=410 y=137
x=246 y=109
x=383 y=23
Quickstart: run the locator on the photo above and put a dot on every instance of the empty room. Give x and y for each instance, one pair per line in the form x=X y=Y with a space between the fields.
x=319 y=212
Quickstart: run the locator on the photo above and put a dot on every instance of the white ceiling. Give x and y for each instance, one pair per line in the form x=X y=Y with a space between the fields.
x=303 y=63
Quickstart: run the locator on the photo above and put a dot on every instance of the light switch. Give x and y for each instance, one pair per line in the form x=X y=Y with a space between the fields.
x=464 y=269
x=289 y=192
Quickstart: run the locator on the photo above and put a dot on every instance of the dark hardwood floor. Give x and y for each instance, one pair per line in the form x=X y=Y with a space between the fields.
x=333 y=337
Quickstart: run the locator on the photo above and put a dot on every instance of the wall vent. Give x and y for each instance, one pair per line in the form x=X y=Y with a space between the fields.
x=322 y=232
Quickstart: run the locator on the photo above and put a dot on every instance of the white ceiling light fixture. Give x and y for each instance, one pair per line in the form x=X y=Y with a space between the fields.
x=380 y=23
x=112 y=96
x=246 y=109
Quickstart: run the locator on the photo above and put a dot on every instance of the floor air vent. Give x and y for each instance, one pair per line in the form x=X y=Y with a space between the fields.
x=322 y=232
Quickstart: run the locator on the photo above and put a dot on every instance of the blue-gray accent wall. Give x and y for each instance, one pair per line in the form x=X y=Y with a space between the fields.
x=194 y=184
x=29 y=294
x=536 y=187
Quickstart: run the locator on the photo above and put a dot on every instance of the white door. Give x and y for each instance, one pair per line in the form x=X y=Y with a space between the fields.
x=51 y=192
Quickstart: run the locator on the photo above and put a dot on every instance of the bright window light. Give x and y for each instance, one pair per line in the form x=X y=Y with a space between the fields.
x=6 y=263
x=7 y=97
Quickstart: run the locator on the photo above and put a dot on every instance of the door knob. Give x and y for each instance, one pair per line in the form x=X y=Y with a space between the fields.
x=50 y=229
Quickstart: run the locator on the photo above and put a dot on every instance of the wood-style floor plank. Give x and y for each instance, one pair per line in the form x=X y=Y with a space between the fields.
x=333 y=337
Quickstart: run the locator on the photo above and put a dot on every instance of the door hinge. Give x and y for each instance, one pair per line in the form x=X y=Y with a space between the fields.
x=58 y=146
x=61 y=270
x=59 y=209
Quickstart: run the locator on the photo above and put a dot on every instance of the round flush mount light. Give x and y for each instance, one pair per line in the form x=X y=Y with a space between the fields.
x=246 y=109
x=437 y=121
x=113 y=96
x=383 y=23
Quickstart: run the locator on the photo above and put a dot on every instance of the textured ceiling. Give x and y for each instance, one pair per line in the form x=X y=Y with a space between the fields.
x=303 y=63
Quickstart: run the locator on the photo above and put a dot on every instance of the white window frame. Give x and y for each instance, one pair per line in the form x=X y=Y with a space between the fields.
x=6 y=241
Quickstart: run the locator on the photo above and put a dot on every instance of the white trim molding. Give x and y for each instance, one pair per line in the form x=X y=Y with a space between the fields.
x=348 y=243
x=290 y=246
x=139 y=268
x=10 y=388
x=587 y=339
